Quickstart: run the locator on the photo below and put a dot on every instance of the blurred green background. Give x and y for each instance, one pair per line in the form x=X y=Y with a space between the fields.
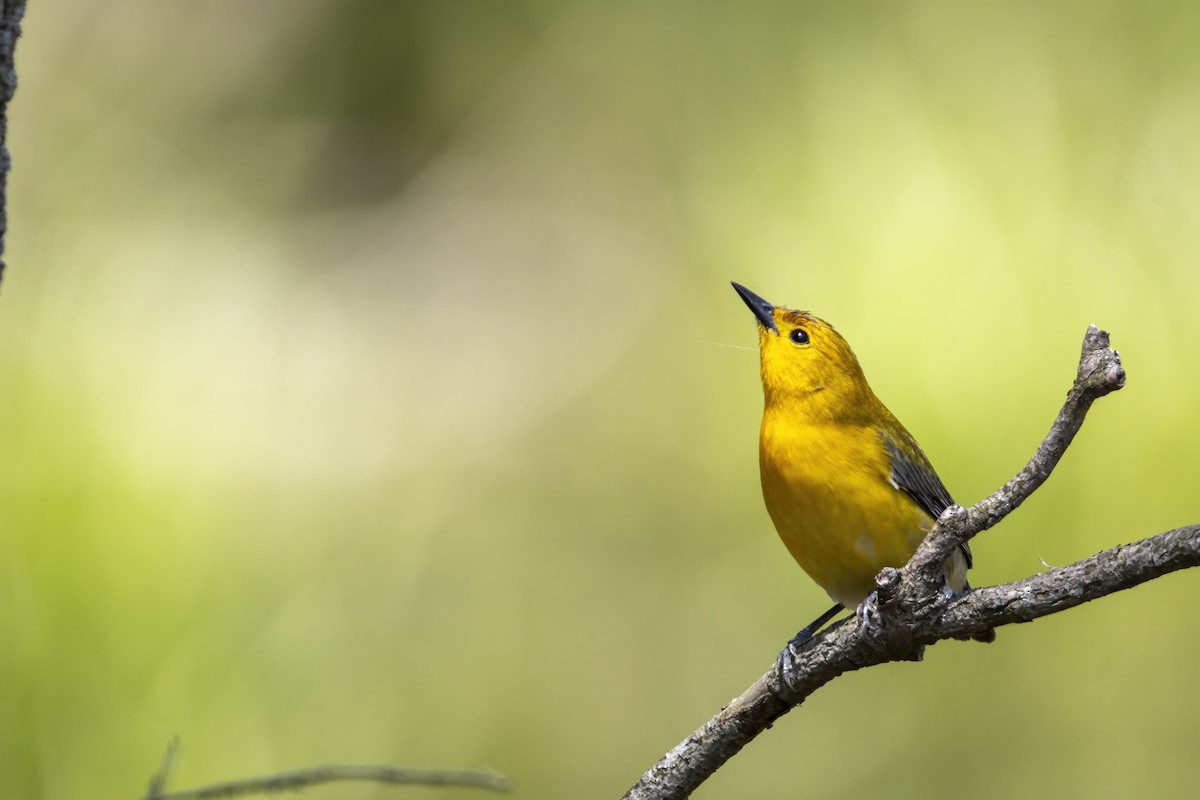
x=372 y=390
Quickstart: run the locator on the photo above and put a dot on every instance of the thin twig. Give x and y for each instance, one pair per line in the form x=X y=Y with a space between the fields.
x=303 y=778
x=158 y=782
x=914 y=611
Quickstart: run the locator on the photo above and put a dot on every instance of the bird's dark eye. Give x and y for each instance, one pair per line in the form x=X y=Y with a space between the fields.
x=799 y=336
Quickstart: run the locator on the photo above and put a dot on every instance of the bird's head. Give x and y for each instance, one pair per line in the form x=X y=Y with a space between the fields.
x=806 y=365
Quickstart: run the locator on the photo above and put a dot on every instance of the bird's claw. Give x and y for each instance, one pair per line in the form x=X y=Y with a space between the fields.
x=867 y=613
x=790 y=654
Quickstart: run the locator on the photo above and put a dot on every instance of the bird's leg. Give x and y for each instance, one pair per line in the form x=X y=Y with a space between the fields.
x=789 y=654
x=806 y=633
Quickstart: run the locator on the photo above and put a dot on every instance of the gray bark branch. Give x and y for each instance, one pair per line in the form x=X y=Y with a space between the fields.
x=913 y=611
x=11 y=12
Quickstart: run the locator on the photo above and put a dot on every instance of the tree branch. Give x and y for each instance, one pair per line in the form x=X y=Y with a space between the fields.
x=913 y=610
x=11 y=13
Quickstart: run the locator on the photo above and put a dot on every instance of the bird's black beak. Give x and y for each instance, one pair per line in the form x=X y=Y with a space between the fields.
x=761 y=308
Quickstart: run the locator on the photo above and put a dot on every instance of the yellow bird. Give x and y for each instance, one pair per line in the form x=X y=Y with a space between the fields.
x=848 y=488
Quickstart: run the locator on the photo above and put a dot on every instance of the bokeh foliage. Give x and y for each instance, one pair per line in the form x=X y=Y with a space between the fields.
x=370 y=386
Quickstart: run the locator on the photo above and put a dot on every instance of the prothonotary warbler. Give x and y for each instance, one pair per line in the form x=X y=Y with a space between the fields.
x=848 y=488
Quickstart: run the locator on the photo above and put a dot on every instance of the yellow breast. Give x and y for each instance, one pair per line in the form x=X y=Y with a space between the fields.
x=827 y=488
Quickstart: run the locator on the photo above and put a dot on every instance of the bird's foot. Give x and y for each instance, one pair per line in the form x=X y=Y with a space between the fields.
x=867 y=613
x=786 y=661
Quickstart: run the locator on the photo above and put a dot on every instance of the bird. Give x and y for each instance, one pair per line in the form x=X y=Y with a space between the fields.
x=847 y=486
